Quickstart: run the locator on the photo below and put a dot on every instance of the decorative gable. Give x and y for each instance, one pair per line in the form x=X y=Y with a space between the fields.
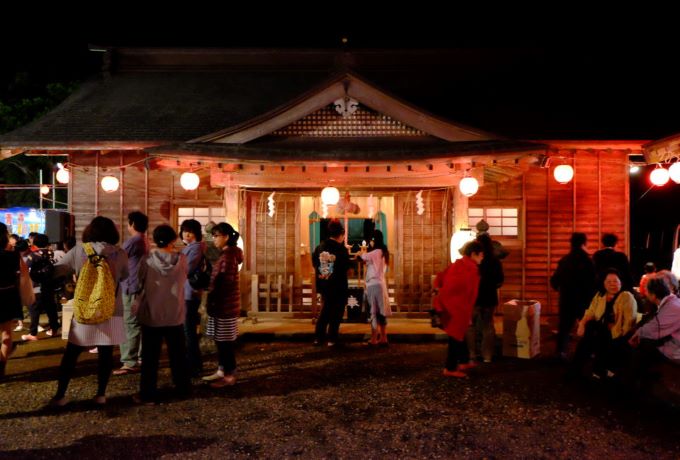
x=360 y=103
x=333 y=121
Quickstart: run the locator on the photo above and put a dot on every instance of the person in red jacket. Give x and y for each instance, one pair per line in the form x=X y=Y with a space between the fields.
x=457 y=291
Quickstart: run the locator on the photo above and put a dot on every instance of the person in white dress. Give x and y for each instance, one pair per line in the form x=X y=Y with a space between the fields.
x=376 y=295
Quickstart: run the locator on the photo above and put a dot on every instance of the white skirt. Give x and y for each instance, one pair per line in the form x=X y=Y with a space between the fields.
x=110 y=332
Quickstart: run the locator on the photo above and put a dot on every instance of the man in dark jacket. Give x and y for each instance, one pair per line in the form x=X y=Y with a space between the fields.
x=609 y=257
x=331 y=261
x=575 y=281
x=491 y=279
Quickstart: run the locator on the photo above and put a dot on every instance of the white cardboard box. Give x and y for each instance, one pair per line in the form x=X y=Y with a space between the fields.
x=521 y=328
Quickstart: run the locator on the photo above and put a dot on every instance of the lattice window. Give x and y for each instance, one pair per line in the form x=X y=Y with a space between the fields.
x=327 y=122
x=502 y=221
x=203 y=215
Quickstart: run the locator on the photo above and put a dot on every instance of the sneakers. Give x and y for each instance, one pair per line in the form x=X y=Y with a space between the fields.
x=20 y=327
x=93 y=350
x=212 y=377
x=466 y=366
x=125 y=369
x=29 y=338
x=456 y=373
x=40 y=328
x=52 y=332
x=226 y=381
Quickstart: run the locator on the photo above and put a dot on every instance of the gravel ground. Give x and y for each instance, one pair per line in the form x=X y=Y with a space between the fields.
x=294 y=400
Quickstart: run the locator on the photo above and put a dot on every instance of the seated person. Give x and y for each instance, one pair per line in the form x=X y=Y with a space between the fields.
x=660 y=339
x=650 y=269
x=604 y=327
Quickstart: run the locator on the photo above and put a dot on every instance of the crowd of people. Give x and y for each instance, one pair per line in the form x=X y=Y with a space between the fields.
x=155 y=297
x=621 y=330
x=157 y=293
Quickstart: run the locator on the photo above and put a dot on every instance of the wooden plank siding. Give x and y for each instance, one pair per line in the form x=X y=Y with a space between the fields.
x=155 y=192
x=423 y=250
x=594 y=202
x=274 y=247
x=506 y=194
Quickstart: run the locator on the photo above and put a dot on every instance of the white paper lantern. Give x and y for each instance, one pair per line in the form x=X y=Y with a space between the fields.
x=63 y=176
x=659 y=177
x=44 y=190
x=563 y=174
x=468 y=186
x=109 y=184
x=674 y=172
x=330 y=195
x=458 y=240
x=189 y=181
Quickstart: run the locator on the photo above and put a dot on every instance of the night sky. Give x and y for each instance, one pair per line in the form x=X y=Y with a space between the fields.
x=570 y=72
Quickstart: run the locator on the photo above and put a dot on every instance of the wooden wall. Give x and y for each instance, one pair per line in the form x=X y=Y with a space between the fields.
x=595 y=202
x=506 y=194
x=422 y=249
x=156 y=192
x=274 y=241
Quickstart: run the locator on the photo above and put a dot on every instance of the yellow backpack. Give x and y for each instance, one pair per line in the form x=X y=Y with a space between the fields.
x=95 y=298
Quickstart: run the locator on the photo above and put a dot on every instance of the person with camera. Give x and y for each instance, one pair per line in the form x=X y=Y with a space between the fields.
x=41 y=269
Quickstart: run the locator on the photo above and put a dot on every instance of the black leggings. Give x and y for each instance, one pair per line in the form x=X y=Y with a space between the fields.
x=68 y=365
x=458 y=353
x=227 y=356
x=45 y=301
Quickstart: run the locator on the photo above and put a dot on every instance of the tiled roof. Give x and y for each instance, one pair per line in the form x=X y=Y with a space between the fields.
x=161 y=107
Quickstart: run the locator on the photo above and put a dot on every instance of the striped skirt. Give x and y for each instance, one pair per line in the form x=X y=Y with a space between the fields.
x=222 y=329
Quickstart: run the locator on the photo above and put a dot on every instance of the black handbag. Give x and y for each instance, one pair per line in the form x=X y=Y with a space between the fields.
x=435 y=319
x=200 y=277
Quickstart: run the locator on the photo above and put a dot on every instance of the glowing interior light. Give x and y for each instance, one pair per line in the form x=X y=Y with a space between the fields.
x=634 y=169
x=458 y=240
x=44 y=190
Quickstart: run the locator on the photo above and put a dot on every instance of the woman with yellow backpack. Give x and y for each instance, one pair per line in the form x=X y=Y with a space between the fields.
x=98 y=307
